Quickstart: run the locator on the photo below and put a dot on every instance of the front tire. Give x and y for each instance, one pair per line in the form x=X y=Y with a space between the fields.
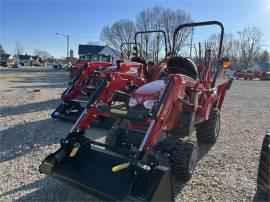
x=263 y=179
x=208 y=131
x=184 y=158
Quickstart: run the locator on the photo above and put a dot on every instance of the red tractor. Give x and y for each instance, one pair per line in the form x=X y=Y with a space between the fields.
x=84 y=83
x=76 y=67
x=153 y=140
x=248 y=75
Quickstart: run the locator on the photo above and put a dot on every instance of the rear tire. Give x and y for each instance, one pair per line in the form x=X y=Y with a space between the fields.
x=184 y=158
x=208 y=131
x=263 y=179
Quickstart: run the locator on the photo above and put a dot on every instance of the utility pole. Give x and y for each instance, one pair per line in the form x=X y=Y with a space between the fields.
x=67 y=37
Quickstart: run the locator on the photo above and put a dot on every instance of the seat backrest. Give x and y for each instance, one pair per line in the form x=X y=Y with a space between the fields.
x=180 y=65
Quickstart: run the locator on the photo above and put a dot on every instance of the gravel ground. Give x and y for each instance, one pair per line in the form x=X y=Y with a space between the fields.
x=225 y=172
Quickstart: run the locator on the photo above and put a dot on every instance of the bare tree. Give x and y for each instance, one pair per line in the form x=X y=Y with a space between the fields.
x=144 y=23
x=121 y=31
x=151 y=44
x=250 y=40
x=264 y=57
x=227 y=46
x=170 y=21
x=18 y=48
x=235 y=54
x=155 y=18
x=158 y=18
x=41 y=53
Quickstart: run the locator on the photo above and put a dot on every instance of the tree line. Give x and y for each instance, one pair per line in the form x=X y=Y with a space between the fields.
x=19 y=50
x=244 y=48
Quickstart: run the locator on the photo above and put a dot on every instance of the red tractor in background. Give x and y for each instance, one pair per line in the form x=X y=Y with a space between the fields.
x=139 y=156
x=94 y=59
x=90 y=74
x=84 y=83
x=248 y=75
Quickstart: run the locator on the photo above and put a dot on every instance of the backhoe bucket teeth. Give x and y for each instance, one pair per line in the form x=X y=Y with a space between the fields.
x=91 y=171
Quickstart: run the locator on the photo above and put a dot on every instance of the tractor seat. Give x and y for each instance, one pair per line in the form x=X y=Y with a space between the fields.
x=180 y=65
x=139 y=60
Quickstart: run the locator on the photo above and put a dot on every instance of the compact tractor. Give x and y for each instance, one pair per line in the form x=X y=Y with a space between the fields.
x=151 y=141
x=84 y=83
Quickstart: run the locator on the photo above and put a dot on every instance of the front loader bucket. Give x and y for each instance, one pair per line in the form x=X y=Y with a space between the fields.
x=71 y=112
x=91 y=171
x=63 y=112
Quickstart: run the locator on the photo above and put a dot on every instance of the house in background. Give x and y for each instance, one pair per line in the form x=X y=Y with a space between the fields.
x=23 y=60
x=50 y=61
x=36 y=61
x=28 y=60
x=98 y=53
x=261 y=67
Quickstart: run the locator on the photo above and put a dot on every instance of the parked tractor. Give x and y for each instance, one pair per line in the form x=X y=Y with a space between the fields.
x=94 y=59
x=265 y=76
x=248 y=75
x=84 y=83
x=151 y=141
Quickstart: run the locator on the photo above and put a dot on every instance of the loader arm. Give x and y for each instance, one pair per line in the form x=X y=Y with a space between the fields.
x=176 y=87
x=104 y=94
x=74 y=82
x=81 y=78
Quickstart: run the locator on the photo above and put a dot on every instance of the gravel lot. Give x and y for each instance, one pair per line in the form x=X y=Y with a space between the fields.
x=225 y=172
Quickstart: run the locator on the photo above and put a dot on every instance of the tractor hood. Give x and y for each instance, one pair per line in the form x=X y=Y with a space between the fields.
x=150 y=91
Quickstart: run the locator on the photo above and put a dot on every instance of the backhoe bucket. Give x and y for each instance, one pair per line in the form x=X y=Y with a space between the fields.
x=91 y=171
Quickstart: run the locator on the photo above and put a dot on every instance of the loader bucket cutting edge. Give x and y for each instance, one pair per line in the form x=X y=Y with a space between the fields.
x=60 y=113
x=91 y=171
x=102 y=121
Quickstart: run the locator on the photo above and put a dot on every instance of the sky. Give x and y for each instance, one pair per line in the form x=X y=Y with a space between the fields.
x=34 y=23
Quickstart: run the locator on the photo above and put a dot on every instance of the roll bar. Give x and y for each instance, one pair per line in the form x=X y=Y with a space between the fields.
x=152 y=31
x=129 y=43
x=195 y=24
x=207 y=23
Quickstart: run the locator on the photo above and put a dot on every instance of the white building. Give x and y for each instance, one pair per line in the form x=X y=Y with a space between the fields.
x=98 y=53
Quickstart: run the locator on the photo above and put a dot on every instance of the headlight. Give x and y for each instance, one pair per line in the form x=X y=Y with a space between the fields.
x=132 y=102
x=148 y=104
